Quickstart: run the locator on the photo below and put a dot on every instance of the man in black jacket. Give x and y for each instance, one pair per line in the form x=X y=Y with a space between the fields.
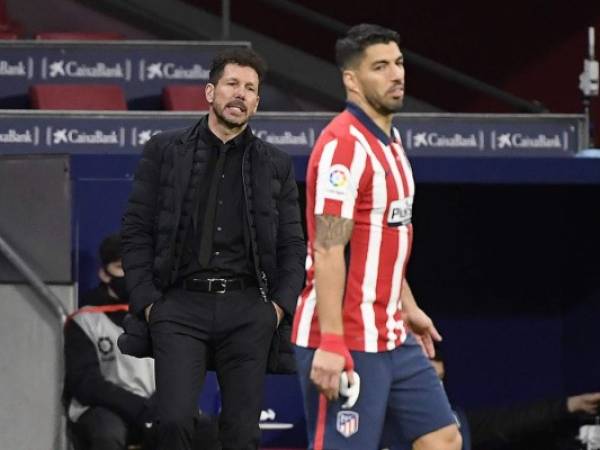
x=214 y=257
x=108 y=394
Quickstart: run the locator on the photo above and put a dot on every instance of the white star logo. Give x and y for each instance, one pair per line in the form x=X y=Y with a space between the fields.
x=144 y=136
x=57 y=68
x=60 y=136
x=420 y=139
x=504 y=140
x=269 y=414
x=154 y=71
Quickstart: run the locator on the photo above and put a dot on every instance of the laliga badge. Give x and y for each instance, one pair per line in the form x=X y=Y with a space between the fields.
x=336 y=183
x=349 y=391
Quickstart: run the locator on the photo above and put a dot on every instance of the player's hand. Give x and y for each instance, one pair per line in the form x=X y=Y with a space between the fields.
x=147 y=312
x=424 y=329
x=587 y=403
x=325 y=373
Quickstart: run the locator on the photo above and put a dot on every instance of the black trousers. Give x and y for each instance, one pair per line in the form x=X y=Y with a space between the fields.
x=234 y=331
x=101 y=429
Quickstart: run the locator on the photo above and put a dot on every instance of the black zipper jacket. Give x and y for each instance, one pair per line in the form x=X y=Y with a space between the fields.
x=158 y=215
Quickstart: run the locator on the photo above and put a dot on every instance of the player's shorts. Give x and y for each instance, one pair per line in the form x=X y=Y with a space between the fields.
x=401 y=384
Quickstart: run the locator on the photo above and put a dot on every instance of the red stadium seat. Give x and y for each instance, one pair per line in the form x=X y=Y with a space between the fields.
x=4 y=19
x=80 y=36
x=184 y=97
x=7 y=25
x=77 y=97
x=5 y=35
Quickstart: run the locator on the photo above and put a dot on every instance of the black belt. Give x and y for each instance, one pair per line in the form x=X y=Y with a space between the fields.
x=218 y=285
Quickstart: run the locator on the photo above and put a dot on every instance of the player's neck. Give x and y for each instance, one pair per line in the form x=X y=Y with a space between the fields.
x=383 y=121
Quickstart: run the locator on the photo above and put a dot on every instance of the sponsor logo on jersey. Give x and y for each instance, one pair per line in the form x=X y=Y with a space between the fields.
x=400 y=212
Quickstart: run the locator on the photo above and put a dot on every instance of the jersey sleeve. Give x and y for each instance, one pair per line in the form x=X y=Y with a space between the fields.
x=340 y=168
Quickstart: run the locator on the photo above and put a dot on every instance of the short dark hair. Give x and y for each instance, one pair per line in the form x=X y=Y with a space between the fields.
x=110 y=249
x=358 y=38
x=242 y=56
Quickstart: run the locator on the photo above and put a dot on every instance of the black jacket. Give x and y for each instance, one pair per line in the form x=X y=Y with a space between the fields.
x=541 y=424
x=158 y=216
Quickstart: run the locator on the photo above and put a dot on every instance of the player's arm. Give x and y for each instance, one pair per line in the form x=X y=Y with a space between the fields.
x=332 y=235
x=332 y=356
x=407 y=298
x=419 y=322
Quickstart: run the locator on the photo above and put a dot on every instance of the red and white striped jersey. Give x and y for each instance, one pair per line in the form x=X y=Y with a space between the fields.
x=356 y=172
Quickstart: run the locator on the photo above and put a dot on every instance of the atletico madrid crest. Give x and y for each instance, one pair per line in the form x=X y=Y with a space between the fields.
x=347 y=423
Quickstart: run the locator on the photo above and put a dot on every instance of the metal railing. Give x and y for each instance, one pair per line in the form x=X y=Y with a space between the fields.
x=57 y=307
x=34 y=280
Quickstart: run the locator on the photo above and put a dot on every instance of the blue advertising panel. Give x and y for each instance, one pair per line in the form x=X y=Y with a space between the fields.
x=105 y=147
x=296 y=133
x=492 y=135
x=142 y=68
x=443 y=148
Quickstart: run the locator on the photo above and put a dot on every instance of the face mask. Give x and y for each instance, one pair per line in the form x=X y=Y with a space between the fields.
x=117 y=284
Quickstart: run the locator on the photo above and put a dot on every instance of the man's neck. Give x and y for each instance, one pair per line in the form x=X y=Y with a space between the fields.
x=223 y=132
x=383 y=121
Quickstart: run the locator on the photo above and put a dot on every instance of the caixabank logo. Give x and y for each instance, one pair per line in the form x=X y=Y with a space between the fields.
x=22 y=68
x=532 y=141
x=14 y=135
x=54 y=69
x=161 y=70
x=419 y=139
x=303 y=138
x=139 y=136
x=59 y=136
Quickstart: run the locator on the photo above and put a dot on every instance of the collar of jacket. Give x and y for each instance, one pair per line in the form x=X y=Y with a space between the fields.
x=200 y=129
x=184 y=155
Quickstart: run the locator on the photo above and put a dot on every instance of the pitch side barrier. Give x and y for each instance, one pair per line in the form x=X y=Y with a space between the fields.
x=444 y=148
x=141 y=68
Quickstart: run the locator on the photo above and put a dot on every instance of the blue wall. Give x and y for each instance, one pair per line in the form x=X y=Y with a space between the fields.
x=509 y=273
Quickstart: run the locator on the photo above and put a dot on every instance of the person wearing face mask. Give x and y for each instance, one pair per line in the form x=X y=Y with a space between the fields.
x=109 y=396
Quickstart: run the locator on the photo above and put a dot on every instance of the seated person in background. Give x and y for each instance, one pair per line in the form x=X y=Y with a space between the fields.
x=549 y=424
x=108 y=394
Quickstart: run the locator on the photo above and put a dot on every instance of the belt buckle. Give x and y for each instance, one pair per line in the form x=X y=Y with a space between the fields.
x=223 y=282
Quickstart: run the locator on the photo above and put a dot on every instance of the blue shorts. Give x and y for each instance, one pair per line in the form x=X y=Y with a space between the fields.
x=400 y=384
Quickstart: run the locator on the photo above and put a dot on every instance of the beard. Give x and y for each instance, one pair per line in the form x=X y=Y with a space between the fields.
x=384 y=106
x=230 y=123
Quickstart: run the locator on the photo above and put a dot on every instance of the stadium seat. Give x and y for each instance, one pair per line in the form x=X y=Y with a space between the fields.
x=80 y=36
x=77 y=97
x=4 y=19
x=184 y=97
x=7 y=25
x=5 y=35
